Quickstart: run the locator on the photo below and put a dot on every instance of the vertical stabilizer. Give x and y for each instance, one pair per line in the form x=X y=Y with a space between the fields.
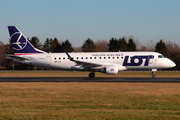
x=21 y=45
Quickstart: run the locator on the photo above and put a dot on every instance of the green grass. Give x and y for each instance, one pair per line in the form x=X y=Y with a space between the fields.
x=85 y=74
x=89 y=101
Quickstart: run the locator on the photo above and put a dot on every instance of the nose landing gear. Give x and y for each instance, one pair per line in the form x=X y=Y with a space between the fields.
x=91 y=75
x=153 y=74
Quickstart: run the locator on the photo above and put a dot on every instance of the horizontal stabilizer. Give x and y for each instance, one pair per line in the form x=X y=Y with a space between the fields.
x=12 y=57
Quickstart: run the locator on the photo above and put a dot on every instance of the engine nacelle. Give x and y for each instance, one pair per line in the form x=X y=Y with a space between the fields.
x=113 y=70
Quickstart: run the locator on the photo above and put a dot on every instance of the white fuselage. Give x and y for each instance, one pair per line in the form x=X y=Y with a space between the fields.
x=123 y=60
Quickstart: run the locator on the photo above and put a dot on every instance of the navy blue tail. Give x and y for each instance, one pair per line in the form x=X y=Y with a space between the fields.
x=21 y=45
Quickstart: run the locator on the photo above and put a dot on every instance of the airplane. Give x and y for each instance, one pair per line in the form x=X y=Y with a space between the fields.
x=105 y=62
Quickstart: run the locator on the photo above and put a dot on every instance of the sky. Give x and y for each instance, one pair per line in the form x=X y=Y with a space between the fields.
x=77 y=20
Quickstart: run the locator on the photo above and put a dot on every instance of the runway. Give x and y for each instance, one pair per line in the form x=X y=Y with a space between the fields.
x=86 y=79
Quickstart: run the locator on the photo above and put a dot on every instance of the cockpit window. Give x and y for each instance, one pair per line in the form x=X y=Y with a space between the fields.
x=161 y=56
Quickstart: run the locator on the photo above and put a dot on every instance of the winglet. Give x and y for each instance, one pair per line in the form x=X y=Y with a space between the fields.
x=69 y=57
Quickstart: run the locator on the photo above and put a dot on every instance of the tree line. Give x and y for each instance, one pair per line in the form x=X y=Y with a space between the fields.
x=168 y=49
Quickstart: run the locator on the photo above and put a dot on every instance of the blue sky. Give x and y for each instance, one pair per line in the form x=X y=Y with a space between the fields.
x=76 y=20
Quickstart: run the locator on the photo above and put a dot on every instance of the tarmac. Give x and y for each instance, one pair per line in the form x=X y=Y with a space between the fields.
x=86 y=79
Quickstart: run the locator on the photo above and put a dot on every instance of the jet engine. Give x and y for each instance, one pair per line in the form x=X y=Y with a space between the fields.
x=113 y=70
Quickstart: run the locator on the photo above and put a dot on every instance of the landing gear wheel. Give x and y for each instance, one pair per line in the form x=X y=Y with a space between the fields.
x=153 y=74
x=91 y=75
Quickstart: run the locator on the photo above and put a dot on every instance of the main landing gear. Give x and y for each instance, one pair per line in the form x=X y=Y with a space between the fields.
x=153 y=74
x=91 y=75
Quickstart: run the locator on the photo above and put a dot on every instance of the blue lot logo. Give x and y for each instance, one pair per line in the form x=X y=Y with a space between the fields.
x=18 y=41
x=137 y=60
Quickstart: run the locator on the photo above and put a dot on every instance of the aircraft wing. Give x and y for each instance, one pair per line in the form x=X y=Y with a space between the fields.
x=11 y=57
x=86 y=64
x=82 y=63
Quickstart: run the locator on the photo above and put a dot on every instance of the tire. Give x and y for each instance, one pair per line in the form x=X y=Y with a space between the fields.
x=91 y=75
x=153 y=75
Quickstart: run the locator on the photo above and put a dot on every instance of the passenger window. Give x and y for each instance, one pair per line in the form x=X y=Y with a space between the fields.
x=59 y=58
x=64 y=58
x=90 y=57
x=108 y=57
x=113 y=57
x=77 y=58
x=81 y=57
x=99 y=57
x=117 y=57
x=121 y=57
x=54 y=58
x=94 y=57
x=104 y=57
x=86 y=57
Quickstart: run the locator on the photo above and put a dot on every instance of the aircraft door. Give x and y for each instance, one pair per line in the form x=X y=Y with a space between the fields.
x=151 y=57
x=48 y=60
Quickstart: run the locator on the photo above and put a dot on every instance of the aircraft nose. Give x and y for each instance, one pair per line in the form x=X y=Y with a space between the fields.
x=172 y=64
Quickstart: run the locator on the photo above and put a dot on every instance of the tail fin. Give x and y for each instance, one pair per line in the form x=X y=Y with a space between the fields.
x=21 y=45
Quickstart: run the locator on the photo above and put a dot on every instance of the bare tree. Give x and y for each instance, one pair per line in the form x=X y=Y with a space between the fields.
x=150 y=46
x=101 y=45
x=143 y=48
x=2 y=53
x=174 y=52
x=77 y=49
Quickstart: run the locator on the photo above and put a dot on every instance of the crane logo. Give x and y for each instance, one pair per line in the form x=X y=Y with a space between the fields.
x=19 y=42
x=111 y=69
